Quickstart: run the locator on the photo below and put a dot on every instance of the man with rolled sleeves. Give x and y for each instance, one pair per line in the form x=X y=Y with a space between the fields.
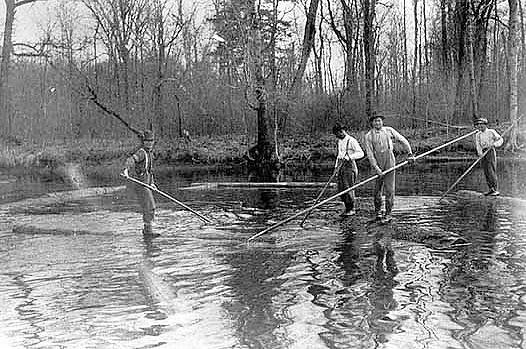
x=141 y=163
x=349 y=151
x=488 y=139
x=379 y=149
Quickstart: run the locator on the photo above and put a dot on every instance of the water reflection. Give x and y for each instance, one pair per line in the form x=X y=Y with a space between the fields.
x=381 y=296
x=254 y=282
x=335 y=285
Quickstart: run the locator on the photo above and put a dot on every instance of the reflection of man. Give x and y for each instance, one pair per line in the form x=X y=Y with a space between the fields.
x=490 y=223
x=379 y=147
x=382 y=296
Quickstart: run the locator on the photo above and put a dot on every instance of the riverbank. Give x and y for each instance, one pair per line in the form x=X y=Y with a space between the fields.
x=299 y=151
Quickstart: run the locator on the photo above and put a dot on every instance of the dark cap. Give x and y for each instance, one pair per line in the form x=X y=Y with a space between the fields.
x=481 y=121
x=147 y=135
x=337 y=128
x=375 y=115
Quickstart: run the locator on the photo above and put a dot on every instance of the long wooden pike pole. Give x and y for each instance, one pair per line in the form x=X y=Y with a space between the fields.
x=321 y=192
x=464 y=174
x=476 y=162
x=167 y=196
x=403 y=163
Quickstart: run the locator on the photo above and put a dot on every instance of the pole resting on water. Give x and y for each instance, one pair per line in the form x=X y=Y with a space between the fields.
x=321 y=192
x=403 y=163
x=167 y=196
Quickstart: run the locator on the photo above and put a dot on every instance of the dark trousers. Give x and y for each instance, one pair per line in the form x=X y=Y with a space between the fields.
x=346 y=178
x=145 y=198
x=386 y=183
x=489 y=165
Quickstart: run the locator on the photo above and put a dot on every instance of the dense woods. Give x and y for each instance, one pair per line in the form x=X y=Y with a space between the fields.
x=260 y=68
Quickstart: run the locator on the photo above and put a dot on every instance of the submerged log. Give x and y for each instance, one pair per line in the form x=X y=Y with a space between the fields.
x=471 y=195
x=397 y=228
x=60 y=197
x=71 y=224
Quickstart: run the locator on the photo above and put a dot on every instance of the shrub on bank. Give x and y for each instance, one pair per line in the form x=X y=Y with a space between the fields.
x=296 y=150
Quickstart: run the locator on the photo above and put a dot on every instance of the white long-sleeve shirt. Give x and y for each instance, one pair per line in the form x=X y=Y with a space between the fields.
x=486 y=139
x=348 y=149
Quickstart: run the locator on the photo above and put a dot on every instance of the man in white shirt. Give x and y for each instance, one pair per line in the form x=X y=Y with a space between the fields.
x=379 y=148
x=349 y=151
x=485 y=139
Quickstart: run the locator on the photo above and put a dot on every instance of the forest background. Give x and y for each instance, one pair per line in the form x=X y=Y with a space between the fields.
x=235 y=73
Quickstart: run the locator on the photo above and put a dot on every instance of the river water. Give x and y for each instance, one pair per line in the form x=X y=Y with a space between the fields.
x=202 y=286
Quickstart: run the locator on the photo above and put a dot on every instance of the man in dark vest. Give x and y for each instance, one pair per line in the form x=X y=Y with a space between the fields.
x=141 y=163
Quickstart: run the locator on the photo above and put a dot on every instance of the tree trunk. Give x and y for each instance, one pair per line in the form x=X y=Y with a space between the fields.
x=369 y=12
x=523 y=39
x=512 y=59
x=415 y=59
x=264 y=149
x=308 y=42
x=405 y=62
x=471 y=58
x=4 y=68
x=444 y=39
x=461 y=22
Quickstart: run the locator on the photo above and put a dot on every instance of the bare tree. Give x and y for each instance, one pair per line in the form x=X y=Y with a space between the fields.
x=369 y=13
x=119 y=20
x=7 y=49
x=513 y=47
x=308 y=42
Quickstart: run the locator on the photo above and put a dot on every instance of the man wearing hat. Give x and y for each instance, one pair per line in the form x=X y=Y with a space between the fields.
x=141 y=162
x=485 y=139
x=379 y=148
x=349 y=151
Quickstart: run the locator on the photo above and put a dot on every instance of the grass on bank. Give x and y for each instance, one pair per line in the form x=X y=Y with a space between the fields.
x=298 y=150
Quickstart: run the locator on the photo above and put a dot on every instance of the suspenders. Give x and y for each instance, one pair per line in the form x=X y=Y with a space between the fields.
x=147 y=162
x=347 y=150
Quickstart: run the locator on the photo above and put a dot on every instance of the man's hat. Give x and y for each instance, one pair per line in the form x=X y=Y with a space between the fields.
x=147 y=135
x=375 y=115
x=337 y=128
x=481 y=121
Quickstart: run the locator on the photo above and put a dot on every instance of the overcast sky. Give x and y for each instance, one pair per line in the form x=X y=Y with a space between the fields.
x=31 y=18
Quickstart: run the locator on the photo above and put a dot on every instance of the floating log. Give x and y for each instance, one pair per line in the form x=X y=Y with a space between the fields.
x=201 y=186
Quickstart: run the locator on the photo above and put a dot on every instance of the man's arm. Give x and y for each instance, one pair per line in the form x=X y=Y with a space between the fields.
x=397 y=136
x=131 y=160
x=498 y=140
x=356 y=151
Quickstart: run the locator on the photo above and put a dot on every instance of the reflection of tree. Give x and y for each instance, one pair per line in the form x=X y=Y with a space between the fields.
x=254 y=283
x=266 y=199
